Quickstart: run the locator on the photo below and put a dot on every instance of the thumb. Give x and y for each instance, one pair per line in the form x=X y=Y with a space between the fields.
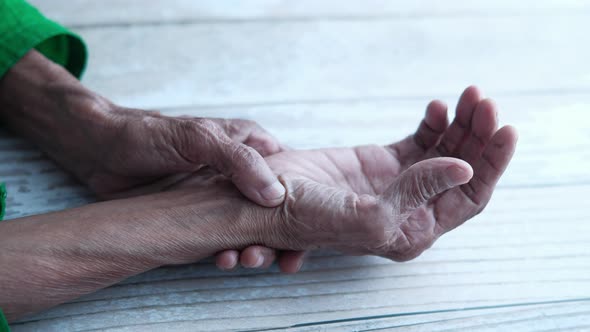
x=426 y=179
x=249 y=172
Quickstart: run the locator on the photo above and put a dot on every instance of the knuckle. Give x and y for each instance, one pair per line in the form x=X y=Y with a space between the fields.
x=165 y=128
x=203 y=127
x=244 y=156
x=202 y=122
x=184 y=128
x=247 y=123
x=182 y=131
x=199 y=138
x=239 y=126
x=208 y=132
x=241 y=161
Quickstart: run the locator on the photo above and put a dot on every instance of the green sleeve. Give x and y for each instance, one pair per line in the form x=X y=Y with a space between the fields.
x=3 y=323
x=22 y=28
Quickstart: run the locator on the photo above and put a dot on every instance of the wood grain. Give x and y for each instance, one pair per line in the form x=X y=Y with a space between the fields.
x=558 y=316
x=133 y=12
x=277 y=62
x=329 y=73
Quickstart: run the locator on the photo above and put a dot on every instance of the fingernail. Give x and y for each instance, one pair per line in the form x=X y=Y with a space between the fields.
x=259 y=261
x=274 y=192
x=233 y=263
x=459 y=175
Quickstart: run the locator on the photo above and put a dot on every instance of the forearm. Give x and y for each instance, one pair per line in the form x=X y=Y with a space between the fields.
x=41 y=101
x=52 y=258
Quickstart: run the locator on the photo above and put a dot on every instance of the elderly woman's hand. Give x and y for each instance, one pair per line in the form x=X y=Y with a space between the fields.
x=396 y=200
x=114 y=149
x=121 y=152
x=146 y=147
x=138 y=148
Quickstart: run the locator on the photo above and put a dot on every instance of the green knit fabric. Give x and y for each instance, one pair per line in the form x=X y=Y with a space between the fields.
x=22 y=28
x=3 y=323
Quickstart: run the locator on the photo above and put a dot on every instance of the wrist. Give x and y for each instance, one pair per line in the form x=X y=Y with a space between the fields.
x=81 y=250
x=41 y=101
x=231 y=220
x=235 y=222
x=222 y=219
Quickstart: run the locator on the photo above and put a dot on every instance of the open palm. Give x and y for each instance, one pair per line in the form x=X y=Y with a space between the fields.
x=408 y=177
x=395 y=200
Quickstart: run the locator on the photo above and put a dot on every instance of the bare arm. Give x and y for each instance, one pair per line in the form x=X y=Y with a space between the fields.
x=48 y=259
x=393 y=201
x=357 y=200
x=116 y=150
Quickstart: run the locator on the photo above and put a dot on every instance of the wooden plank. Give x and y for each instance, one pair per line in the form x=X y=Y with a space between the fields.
x=571 y=316
x=510 y=254
x=261 y=62
x=109 y=12
x=323 y=74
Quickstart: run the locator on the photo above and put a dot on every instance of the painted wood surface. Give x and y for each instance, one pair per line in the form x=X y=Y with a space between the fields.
x=81 y=13
x=262 y=62
x=331 y=73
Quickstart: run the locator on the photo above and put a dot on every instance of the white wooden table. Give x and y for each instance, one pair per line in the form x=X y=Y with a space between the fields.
x=325 y=73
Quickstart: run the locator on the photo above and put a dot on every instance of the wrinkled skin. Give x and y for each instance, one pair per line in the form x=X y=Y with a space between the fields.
x=147 y=147
x=166 y=148
x=148 y=151
x=116 y=149
x=393 y=201
x=122 y=152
